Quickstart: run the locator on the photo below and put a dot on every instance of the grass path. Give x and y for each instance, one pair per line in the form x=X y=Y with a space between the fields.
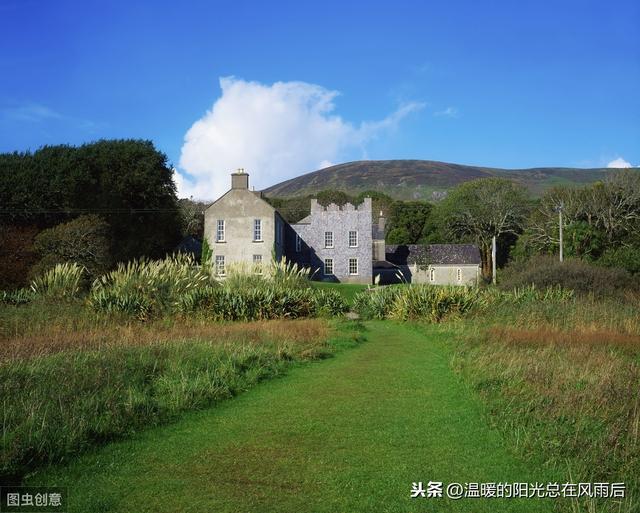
x=348 y=434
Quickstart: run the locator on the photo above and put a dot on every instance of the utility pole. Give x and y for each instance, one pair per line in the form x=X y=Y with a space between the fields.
x=493 y=260
x=560 y=207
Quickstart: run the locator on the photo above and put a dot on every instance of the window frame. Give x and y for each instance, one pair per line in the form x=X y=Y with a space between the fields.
x=355 y=232
x=257 y=264
x=327 y=246
x=257 y=230
x=220 y=228
x=327 y=260
x=357 y=266
x=220 y=265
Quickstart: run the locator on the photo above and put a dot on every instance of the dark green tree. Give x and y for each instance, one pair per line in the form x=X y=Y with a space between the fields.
x=408 y=221
x=128 y=182
x=84 y=240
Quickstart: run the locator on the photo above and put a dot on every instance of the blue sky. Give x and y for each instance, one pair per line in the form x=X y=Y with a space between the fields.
x=505 y=84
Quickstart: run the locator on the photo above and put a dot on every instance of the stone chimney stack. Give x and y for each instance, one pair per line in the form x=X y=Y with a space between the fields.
x=240 y=179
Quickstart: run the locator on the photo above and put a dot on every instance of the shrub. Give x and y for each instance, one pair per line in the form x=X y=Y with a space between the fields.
x=142 y=287
x=63 y=281
x=428 y=302
x=375 y=303
x=16 y=297
x=84 y=240
x=256 y=303
x=329 y=303
x=627 y=258
x=433 y=302
x=546 y=271
x=17 y=255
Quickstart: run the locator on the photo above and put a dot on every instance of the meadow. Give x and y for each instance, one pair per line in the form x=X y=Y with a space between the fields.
x=83 y=365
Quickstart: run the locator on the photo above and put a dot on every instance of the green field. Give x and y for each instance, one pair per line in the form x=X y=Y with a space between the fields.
x=347 y=434
x=347 y=290
x=237 y=406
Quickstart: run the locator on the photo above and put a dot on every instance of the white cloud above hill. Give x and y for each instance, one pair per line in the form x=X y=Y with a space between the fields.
x=619 y=163
x=275 y=132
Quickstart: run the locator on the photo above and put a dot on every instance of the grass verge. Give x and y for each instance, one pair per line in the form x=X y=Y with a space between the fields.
x=72 y=393
x=563 y=385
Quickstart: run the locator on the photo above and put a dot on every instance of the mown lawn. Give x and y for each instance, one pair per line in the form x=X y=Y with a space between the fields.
x=348 y=290
x=347 y=434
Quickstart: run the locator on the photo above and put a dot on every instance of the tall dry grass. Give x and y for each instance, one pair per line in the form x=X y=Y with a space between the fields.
x=64 y=390
x=563 y=384
x=58 y=337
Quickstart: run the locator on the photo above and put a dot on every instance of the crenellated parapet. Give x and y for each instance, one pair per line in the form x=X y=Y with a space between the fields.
x=347 y=207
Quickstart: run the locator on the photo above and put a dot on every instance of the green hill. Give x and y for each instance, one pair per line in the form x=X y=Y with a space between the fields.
x=423 y=179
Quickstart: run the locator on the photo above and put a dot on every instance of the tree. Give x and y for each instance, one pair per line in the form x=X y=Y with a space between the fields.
x=84 y=240
x=17 y=255
x=192 y=218
x=399 y=235
x=128 y=182
x=479 y=210
x=596 y=218
x=407 y=221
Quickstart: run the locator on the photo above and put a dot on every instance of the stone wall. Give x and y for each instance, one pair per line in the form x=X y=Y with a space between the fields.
x=339 y=221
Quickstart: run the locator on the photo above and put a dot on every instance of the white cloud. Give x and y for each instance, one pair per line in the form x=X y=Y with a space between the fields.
x=275 y=132
x=619 y=163
x=33 y=112
x=449 y=112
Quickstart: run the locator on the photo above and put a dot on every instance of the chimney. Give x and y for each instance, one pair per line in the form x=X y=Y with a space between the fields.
x=240 y=179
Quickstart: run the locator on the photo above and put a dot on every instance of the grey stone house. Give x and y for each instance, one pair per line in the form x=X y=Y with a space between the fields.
x=334 y=241
x=337 y=243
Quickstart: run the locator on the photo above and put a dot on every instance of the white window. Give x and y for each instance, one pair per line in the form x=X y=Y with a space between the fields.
x=220 y=231
x=432 y=274
x=257 y=230
x=328 y=266
x=220 y=265
x=257 y=264
x=328 y=239
x=459 y=274
x=353 y=266
x=353 y=239
x=298 y=244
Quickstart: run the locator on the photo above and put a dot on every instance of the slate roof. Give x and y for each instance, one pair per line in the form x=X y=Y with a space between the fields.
x=438 y=254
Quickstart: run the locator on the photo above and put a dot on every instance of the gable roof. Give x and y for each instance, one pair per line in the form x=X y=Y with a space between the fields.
x=438 y=254
x=257 y=194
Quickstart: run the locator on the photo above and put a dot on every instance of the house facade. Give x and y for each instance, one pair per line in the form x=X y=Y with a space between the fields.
x=337 y=243
x=241 y=228
x=437 y=264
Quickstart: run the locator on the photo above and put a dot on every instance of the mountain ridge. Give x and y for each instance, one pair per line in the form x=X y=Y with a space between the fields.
x=425 y=179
